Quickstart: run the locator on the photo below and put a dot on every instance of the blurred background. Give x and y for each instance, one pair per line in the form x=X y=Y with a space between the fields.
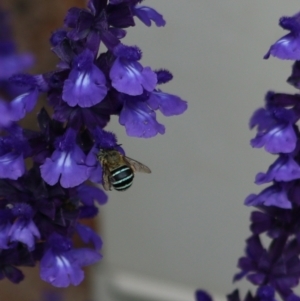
x=182 y=227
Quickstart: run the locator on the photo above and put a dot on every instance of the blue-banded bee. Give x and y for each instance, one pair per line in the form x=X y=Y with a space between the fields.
x=118 y=170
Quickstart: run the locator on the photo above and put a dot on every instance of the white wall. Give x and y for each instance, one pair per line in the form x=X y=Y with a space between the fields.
x=186 y=221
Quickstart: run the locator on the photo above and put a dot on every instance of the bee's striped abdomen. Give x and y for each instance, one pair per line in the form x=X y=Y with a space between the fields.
x=122 y=177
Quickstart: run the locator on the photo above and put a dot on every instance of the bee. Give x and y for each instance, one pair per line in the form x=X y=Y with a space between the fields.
x=118 y=170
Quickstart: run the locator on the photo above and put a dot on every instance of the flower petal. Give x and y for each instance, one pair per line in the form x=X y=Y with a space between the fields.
x=147 y=14
x=59 y=271
x=168 y=104
x=139 y=120
x=86 y=84
x=131 y=78
x=12 y=166
x=274 y=195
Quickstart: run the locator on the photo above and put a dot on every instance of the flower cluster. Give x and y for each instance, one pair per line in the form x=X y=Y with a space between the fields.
x=48 y=176
x=276 y=269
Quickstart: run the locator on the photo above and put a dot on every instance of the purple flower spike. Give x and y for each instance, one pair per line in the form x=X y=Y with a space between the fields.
x=287 y=47
x=129 y=76
x=61 y=265
x=66 y=164
x=86 y=85
x=147 y=14
x=168 y=104
x=275 y=130
x=139 y=120
x=275 y=195
x=279 y=267
x=284 y=169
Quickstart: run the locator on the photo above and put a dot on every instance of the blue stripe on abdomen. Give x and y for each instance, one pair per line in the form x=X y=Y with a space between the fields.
x=122 y=177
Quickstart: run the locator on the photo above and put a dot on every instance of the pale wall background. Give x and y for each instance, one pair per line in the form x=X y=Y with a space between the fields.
x=186 y=222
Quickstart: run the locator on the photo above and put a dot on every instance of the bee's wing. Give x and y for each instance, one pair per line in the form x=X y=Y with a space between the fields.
x=105 y=177
x=137 y=166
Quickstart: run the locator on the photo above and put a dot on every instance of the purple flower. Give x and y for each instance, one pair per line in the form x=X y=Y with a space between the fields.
x=95 y=168
x=95 y=116
x=88 y=235
x=42 y=142
x=61 y=265
x=275 y=221
x=101 y=24
x=13 y=150
x=128 y=75
x=287 y=47
x=168 y=104
x=282 y=100
x=275 y=129
x=275 y=195
x=26 y=101
x=279 y=266
x=147 y=14
x=24 y=229
x=119 y=15
x=285 y=168
x=67 y=163
x=89 y=194
x=139 y=119
x=86 y=85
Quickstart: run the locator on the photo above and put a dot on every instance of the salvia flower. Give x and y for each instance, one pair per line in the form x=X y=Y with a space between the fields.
x=287 y=47
x=48 y=175
x=128 y=75
x=67 y=160
x=276 y=268
x=61 y=265
x=147 y=14
x=275 y=129
x=86 y=84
